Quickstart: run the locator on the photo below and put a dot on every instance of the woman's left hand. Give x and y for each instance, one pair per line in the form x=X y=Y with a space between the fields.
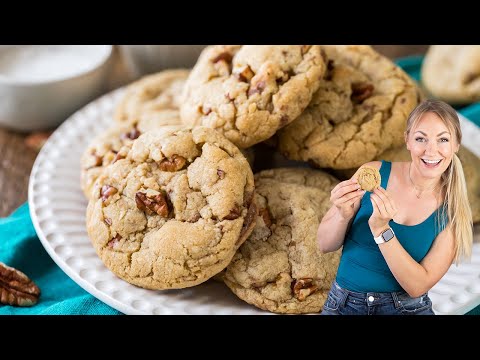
x=384 y=210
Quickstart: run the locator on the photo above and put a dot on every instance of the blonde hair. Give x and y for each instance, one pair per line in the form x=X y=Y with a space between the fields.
x=456 y=207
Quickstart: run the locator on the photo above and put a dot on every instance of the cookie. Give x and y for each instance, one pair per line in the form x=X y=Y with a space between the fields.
x=471 y=170
x=152 y=94
x=280 y=268
x=106 y=148
x=249 y=92
x=172 y=213
x=369 y=178
x=359 y=111
x=452 y=73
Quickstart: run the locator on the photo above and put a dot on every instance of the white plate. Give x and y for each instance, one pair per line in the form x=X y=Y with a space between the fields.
x=57 y=208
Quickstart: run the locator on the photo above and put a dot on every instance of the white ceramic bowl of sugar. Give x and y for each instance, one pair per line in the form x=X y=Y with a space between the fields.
x=41 y=85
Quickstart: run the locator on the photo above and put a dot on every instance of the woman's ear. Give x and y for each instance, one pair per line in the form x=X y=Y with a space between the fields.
x=405 y=137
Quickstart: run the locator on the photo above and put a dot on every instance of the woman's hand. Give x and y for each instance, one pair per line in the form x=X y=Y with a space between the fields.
x=384 y=210
x=344 y=196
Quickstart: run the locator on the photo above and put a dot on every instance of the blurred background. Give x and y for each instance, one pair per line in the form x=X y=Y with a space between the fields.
x=116 y=66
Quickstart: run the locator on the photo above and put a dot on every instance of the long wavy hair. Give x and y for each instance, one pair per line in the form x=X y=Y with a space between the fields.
x=456 y=208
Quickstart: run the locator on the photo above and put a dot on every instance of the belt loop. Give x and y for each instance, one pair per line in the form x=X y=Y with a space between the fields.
x=396 y=301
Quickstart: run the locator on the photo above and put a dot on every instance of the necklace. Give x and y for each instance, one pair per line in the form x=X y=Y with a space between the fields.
x=417 y=193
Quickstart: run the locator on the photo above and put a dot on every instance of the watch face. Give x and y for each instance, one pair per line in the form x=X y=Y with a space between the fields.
x=388 y=235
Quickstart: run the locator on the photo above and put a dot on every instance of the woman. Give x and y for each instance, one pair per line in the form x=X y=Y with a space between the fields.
x=401 y=239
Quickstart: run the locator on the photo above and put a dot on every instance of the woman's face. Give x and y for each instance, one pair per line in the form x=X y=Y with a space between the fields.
x=431 y=145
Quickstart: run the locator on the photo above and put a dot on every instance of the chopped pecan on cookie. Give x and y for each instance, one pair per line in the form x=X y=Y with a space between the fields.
x=249 y=92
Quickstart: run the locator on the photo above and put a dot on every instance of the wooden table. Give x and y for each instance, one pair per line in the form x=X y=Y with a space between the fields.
x=16 y=159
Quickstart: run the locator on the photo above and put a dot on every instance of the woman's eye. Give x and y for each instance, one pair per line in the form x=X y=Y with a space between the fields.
x=444 y=140
x=419 y=139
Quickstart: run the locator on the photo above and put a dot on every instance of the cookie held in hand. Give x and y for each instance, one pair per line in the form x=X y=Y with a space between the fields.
x=369 y=178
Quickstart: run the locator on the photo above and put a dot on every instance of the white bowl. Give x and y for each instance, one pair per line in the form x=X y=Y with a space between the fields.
x=42 y=85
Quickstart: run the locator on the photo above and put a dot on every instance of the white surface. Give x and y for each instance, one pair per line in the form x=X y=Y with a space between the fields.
x=30 y=102
x=57 y=207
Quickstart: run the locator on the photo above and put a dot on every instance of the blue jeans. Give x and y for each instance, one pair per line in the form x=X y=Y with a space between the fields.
x=341 y=301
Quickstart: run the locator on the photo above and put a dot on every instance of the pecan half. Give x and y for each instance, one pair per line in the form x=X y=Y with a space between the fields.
x=152 y=204
x=16 y=288
x=303 y=288
x=175 y=163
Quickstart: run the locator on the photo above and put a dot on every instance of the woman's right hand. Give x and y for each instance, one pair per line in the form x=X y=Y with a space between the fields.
x=345 y=195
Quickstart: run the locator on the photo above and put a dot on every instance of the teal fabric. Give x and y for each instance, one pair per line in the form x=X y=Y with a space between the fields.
x=362 y=266
x=20 y=248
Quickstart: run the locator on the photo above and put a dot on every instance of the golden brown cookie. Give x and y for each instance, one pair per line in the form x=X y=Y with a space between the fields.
x=280 y=268
x=106 y=148
x=452 y=73
x=172 y=213
x=359 y=111
x=249 y=92
x=369 y=178
x=152 y=94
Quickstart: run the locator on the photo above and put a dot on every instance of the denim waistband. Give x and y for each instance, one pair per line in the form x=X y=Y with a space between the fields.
x=377 y=297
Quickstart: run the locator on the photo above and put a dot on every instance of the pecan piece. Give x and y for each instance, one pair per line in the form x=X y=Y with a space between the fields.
x=361 y=91
x=175 y=163
x=303 y=288
x=16 y=288
x=111 y=244
x=152 y=204
x=266 y=217
x=107 y=191
x=224 y=56
x=234 y=213
x=258 y=87
x=133 y=134
x=244 y=74
x=221 y=174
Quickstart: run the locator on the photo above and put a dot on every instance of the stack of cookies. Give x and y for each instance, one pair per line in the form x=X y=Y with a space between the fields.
x=175 y=197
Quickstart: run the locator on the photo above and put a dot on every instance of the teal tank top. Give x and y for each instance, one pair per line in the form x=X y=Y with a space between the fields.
x=362 y=266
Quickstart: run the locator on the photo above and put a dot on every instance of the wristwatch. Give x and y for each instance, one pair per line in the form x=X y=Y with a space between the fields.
x=385 y=236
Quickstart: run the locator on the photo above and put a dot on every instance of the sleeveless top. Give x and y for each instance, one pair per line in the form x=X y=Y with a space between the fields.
x=362 y=266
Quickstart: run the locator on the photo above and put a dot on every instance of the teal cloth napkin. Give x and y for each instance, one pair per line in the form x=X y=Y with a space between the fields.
x=21 y=248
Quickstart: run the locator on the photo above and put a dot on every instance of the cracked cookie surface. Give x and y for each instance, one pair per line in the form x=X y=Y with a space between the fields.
x=152 y=94
x=174 y=211
x=452 y=73
x=280 y=268
x=114 y=143
x=249 y=92
x=359 y=111
x=369 y=178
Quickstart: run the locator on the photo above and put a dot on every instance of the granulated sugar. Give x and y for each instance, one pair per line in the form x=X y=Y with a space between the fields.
x=37 y=63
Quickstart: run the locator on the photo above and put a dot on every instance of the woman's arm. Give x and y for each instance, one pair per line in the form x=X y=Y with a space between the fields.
x=333 y=227
x=418 y=278
x=415 y=278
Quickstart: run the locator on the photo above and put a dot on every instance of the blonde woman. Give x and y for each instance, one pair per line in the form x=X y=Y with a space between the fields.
x=399 y=240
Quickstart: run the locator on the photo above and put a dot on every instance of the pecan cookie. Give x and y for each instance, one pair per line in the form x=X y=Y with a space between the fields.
x=152 y=94
x=108 y=147
x=369 y=178
x=452 y=73
x=174 y=211
x=280 y=268
x=359 y=111
x=249 y=92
